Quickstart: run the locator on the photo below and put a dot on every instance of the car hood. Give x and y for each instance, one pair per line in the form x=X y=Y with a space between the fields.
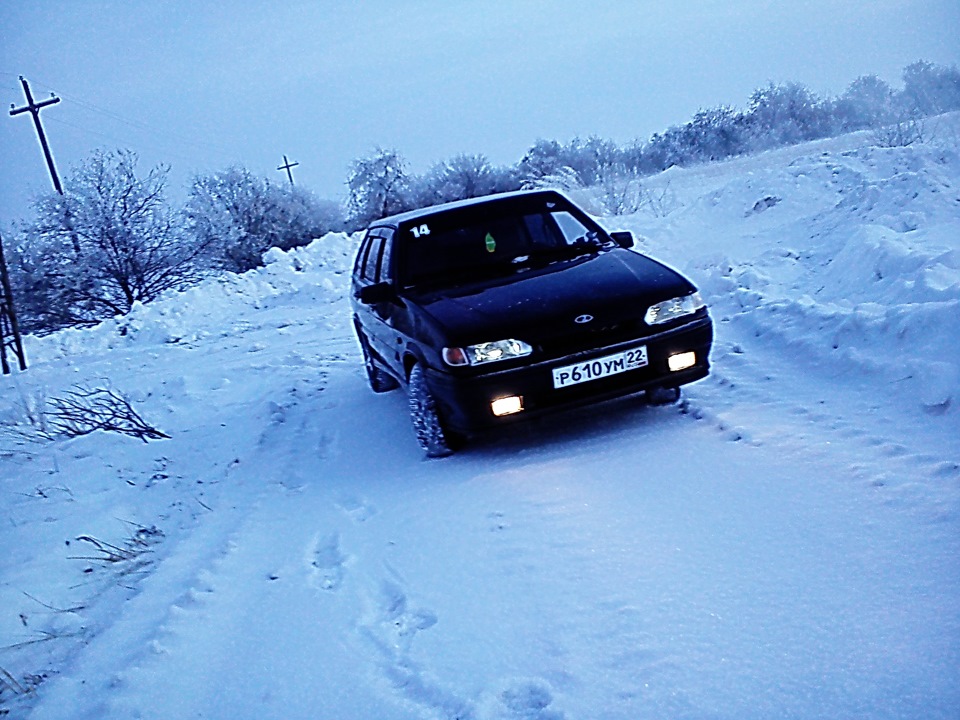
x=534 y=304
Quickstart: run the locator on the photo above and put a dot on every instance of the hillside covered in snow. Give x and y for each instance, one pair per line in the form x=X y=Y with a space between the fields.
x=785 y=542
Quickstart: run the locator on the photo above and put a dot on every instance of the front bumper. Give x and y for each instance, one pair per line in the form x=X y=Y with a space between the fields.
x=464 y=398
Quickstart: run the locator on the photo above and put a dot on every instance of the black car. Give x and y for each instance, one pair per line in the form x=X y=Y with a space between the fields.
x=498 y=308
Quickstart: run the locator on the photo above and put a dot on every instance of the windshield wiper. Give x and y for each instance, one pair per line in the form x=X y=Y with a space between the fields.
x=585 y=245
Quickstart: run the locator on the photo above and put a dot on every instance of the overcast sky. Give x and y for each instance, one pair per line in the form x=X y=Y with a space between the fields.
x=203 y=85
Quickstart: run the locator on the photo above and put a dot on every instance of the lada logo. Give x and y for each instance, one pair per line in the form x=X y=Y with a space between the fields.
x=583 y=319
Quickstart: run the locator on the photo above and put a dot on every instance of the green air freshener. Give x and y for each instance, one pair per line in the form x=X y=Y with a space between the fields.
x=491 y=243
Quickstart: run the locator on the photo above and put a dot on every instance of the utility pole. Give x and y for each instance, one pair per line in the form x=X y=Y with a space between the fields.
x=9 y=330
x=34 y=109
x=287 y=165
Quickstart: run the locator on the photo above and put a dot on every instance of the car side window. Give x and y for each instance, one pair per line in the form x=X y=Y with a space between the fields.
x=372 y=258
x=571 y=228
x=362 y=253
x=384 y=271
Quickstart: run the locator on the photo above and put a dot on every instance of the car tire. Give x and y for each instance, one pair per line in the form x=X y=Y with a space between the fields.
x=380 y=380
x=434 y=439
x=663 y=395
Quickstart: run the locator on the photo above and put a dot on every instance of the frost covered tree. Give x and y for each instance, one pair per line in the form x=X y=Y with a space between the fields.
x=776 y=115
x=463 y=177
x=543 y=159
x=786 y=114
x=581 y=161
x=236 y=216
x=378 y=186
x=931 y=89
x=717 y=133
x=591 y=158
x=867 y=102
x=460 y=178
x=110 y=241
x=712 y=134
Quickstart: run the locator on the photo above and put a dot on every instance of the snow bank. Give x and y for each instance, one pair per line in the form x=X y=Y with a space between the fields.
x=848 y=256
x=316 y=273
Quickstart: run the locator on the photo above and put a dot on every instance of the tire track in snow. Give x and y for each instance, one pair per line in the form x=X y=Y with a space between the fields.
x=184 y=587
x=751 y=397
x=259 y=568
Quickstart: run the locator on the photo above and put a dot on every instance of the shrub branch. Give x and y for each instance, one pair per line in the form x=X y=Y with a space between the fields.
x=83 y=411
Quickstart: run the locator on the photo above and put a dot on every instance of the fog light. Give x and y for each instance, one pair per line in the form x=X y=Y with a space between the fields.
x=682 y=361
x=507 y=405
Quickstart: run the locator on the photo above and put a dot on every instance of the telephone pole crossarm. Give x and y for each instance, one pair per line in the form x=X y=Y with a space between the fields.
x=34 y=109
x=288 y=166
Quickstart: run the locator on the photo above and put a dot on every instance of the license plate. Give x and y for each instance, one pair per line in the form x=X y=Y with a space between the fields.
x=601 y=367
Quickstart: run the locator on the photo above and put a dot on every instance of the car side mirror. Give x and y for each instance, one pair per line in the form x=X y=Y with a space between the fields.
x=377 y=293
x=623 y=239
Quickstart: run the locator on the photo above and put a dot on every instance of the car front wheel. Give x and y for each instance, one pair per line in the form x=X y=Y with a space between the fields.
x=435 y=440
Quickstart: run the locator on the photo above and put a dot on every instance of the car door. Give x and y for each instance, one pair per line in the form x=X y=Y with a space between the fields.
x=378 y=319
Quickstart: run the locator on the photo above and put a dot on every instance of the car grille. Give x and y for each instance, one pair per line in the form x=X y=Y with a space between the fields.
x=583 y=338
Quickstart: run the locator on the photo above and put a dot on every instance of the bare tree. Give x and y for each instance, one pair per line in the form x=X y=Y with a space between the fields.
x=378 y=187
x=906 y=129
x=236 y=216
x=110 y=241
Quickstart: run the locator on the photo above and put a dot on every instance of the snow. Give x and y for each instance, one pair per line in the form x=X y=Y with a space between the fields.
x=784 y=543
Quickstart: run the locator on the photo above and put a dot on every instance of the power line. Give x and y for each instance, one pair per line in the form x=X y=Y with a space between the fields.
x=113 y=138
x=161 y=140
x=140 y=125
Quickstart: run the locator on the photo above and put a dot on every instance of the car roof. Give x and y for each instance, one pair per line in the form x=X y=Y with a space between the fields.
x=395 y=221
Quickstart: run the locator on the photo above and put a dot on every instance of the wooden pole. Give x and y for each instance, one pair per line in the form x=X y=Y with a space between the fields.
x=8 y=320
x=287 y=165
x=34 y=109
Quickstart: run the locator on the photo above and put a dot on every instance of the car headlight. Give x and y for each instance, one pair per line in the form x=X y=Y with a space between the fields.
x=487 y=352
x=673 y=308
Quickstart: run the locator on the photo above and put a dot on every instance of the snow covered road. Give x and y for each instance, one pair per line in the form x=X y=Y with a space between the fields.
x=643 y=565
x=784 y=543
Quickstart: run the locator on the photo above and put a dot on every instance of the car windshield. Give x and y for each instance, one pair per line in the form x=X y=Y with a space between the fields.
x=443 y=251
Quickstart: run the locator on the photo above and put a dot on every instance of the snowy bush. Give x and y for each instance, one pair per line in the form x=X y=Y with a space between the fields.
x=378 y=187
x=543 y=159
x=110 y=241
x=236 y=216
x=867 y=102
x=906 y=129
x=584 y=161
x=460 y=178
x=931 y=89
x=621 y=193
x=563 y=178
x=785 y=115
